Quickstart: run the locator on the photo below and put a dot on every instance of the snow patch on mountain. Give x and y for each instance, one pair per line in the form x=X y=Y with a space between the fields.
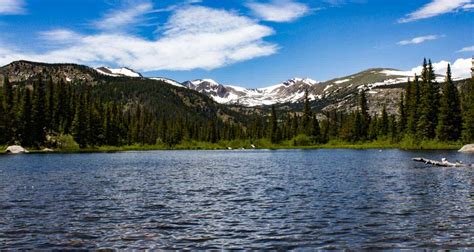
x=118 y=72
x=342 y=81
x=169 y=81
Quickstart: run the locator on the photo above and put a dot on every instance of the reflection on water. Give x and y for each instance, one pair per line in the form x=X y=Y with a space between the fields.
x=235 y=199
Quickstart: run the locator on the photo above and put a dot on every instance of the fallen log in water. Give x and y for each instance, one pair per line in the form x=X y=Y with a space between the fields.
x=443 y=163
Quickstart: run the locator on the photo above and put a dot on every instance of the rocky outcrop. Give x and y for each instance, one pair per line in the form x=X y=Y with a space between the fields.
x=467 y=148
x=15 y=149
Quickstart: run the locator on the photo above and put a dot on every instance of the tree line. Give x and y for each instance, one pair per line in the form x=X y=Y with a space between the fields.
x=36 y=114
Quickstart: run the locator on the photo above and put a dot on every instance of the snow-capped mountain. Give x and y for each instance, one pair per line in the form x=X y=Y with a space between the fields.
x=293 y=90
x=289 y=91
x=118 y=72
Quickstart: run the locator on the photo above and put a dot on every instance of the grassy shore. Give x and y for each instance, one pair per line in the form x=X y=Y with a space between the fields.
x=262 y=144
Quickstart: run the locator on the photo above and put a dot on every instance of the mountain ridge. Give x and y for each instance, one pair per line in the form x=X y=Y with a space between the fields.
x=332 y=94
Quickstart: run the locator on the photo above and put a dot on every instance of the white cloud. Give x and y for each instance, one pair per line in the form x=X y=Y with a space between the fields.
x=467 y=49
x=194 y=38
x=60 y=36
x=10 y=7
x=279 y=10
x=419 y=40
x=122 y=18
x=468 y=6
x=435 y=8
x=460 y=69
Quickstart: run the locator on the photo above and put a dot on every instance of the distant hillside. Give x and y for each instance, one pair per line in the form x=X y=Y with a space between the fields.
x=158 y=95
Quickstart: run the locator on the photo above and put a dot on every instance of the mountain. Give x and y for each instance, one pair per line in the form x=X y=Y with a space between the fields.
x=20 y=71
x=292 y=91
x=382 y=85
x=157 y=95
x=286 y=92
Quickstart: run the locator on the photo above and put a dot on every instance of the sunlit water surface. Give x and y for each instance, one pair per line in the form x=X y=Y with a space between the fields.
x=283 y=199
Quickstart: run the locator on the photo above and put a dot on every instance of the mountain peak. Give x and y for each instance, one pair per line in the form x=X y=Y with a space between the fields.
x=296 y=80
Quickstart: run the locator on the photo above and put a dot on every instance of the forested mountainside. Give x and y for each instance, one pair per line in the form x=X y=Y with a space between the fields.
x=158 y=96
x=61 y=97
x=44 y=105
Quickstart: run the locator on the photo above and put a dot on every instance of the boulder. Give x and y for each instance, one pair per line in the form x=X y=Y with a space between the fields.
x=47 y=150
x=467 y=148
x=15 y=149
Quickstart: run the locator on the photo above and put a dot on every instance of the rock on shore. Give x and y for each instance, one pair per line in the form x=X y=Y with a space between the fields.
x=467 y=148
x=15 y=149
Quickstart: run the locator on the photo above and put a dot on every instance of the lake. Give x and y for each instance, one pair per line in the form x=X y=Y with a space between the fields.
x=285 y=199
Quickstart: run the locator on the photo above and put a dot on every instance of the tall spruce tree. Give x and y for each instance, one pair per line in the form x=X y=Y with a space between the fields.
x=2 y=120
x=9 y=117
x=384 y=123
x=468 y=112
x=403 y=117
x=412 y=95
x=51 y=105
x=315 y=130
x=429 y=103
x=306 y=114
x=450 y=120
x=364 y=117
x=274 y=131
x=39 y=111
x=79 y=125
x=26 y=121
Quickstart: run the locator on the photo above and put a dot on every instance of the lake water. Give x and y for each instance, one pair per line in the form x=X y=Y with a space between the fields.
x=286 y=199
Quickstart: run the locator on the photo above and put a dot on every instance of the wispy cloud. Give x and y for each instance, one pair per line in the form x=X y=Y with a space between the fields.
x=194 y=37
x=468 y=6
x=121 y=19
x=12 y=7
x=435 y=8
x=278 y=10
x=467 y=49
x=419 y=40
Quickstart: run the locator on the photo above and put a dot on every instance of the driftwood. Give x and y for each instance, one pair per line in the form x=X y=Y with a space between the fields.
x=442 y=163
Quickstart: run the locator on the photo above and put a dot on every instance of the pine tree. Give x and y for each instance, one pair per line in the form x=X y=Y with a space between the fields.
x=96 y=132
x=384 y=123
x=79 y=125
x=412 y=102
x=364 y=117
x=294 y=125
x=26 y=122
x=51 y=105
x=468 y=113
x=306 y=114
x=274 y=131
x=402 y=124
x=2 y=120
x=39 y=110
x=315 y=130
x=429 y=103
x=9 y=117
x=450 y=120
x=358 y=127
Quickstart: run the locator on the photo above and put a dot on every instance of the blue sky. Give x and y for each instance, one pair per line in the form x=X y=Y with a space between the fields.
x=252 y=43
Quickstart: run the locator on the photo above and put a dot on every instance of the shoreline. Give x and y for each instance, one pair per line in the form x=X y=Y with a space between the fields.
x=207 y=147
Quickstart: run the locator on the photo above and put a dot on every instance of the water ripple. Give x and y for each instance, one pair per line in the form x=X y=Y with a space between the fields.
x=323 y=199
